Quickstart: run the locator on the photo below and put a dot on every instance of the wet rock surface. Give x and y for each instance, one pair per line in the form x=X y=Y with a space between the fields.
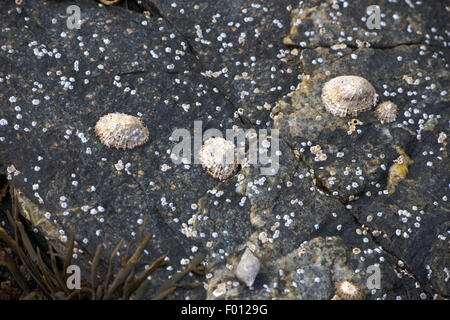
x=261 y=65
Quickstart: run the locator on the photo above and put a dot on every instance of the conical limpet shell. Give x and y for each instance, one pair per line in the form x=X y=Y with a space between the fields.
x=121 y=131
x=346 y=290
x=217 y=156
x=386 y=111
x=346 y=96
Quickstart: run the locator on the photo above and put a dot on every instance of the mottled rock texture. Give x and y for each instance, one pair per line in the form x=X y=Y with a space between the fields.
x=260 y=65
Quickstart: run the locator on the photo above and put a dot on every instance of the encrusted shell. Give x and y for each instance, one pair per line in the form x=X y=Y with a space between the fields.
x=121 y=131
x=346 y=290
x=346 y=96
x=213 y=156
x=386 y=111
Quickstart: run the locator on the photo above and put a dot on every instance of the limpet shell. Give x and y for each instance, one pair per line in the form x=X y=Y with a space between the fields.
x=121 y=131
x=213 y=156
x=386 y=111
x=346 y=290
x=346 y=96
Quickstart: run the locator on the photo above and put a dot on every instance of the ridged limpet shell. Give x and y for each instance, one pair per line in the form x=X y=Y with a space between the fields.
x=386 y=111
x=121 y=131
x=213 y=156
x=346 y=96
x=346 y=290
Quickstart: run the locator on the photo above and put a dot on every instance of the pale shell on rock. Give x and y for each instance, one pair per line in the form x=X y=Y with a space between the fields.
x=121 y=131
x=386 y=111
x=213 y=157
x=247 y=268
x=346 y=290
x=346 y=96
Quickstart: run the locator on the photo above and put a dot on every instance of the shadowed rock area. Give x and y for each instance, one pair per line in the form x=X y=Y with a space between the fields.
x=236 y=64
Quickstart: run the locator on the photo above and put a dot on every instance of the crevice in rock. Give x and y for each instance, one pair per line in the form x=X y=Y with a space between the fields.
x=137 y=72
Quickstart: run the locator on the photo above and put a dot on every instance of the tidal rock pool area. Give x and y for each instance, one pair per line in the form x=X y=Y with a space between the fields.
x=355 y=205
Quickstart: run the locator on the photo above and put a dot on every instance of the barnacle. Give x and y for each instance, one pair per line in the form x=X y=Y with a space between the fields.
x=12 y=171
x=317 y=150
x=217 y=156
x=386 y=111
x=442 y=137
x=121 y=131
x=321 y=157
x=346 y=96
x=346 y=290
x=352 y=124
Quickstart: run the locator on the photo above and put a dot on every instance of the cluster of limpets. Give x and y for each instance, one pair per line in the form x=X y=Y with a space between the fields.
x=343 y=96
x=217 y=156
x=347 y=96
x=121 y=131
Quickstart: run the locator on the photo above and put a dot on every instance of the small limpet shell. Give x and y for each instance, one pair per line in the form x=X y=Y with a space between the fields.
x=346 y=96
x=346 y=290
x=218 y=158
x=386 y=111
x=121 y=131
